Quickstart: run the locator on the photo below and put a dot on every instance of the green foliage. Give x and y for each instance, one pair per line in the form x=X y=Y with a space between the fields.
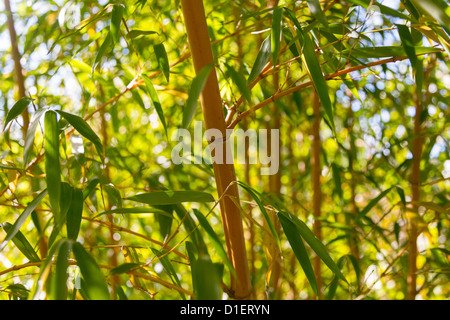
x=112 y=217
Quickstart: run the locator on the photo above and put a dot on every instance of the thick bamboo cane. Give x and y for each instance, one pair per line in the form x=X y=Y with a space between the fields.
x=200 y=46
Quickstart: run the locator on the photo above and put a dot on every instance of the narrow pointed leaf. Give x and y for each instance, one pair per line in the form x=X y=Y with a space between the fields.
x=74 y=214
x=125 y=267
x=22 y=244
x=316 y=245
x=169 y=269
x=52 y=162
x=151 y=91
x=23 y=216
x=214 y=238
x=172 y=197
x=276 y=33
x=137 y=33
x=84 y=129
x=31 y=133
x=299 y=250
x=101 y=51
x=316 y=11
x=194 y=94
x=17 y=109
x=240 y=82
x=163 y=60
x=317 y=77
x=60 y=289
x=262 y=59
x=136 y=210
x=96 y=287
x=372 y=203
x=116 y=18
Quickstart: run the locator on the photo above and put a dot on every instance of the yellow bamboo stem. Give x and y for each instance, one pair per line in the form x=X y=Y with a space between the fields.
x=200 y=46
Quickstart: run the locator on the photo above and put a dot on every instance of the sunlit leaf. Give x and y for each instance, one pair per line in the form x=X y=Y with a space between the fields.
x=22 y=243
x=74 y=214
x=155 y=100
x=163 y=60
x=276 y=33
x=116 y=18
x=96 y=287
x=172 y=197
x=262 y=59
x=17 y=109
x=196 y=89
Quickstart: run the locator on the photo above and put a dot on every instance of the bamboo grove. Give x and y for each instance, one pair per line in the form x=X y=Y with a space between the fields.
x=353 y=99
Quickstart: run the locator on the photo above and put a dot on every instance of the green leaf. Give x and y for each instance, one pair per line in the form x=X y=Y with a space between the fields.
x=52 y=162
x=205 y=276
x=22 y=243
x=116 y=18
x=136 y=210
x=101 y=51
x=65 y=202
x=337 y=181
x=436 y=9
x=316 y=11
x=169 y=269
x=59 y=291
x=385 y=52
x=84 y=129
x=299 y=249
x=23 y=216
x=96 y=288
x=317 y=77
x=372 y=203
x=163 y=60
x=239 y=81
x=125 y=267
x=137 y=33
x=74 y=214
x=196 y=89
x=17 y=109
x=215 y=240
x=316 y=245
x=262 y=59
x=383 y=9
x=31 y=133
x=90 y=187
x=172 y=197
x=276 y=33
x=151 y=91
x=256 y=196
x=408 y=44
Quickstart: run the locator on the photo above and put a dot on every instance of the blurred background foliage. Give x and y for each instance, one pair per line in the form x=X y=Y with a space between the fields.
x=75 y=60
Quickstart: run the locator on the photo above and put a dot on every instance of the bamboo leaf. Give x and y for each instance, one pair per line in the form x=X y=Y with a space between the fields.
x=255 y=195
x=240 y=82
x=169 y=269
x=194 y=94
x=137 y=33
x=65 y=202
x=17 y=109
x=90 y=187
x=52 y=162
x=317 y=77
x=31 y=133
x=372 y=203
x=214 y=238
x=125 y=267
x=101 y=52
x=299 y=250
x=163 y=60
x=21 y=219
x=276 y=33
x=262 y=59
x=408 y=44
x=84 y=129
x=316 y=11
x=135 y=210
x=151 y=91
x=172 y=197
x=96 y=288
x=116 y=18
x=205 y=276
x=316 y=245
x=74 y=214
x=386 y=52
x=436 y=9
x=22 y=243
x=59 y=291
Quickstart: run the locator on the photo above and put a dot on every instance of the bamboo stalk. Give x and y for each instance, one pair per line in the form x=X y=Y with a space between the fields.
x=20 y=81
x=199 y=43
x=317 y=192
